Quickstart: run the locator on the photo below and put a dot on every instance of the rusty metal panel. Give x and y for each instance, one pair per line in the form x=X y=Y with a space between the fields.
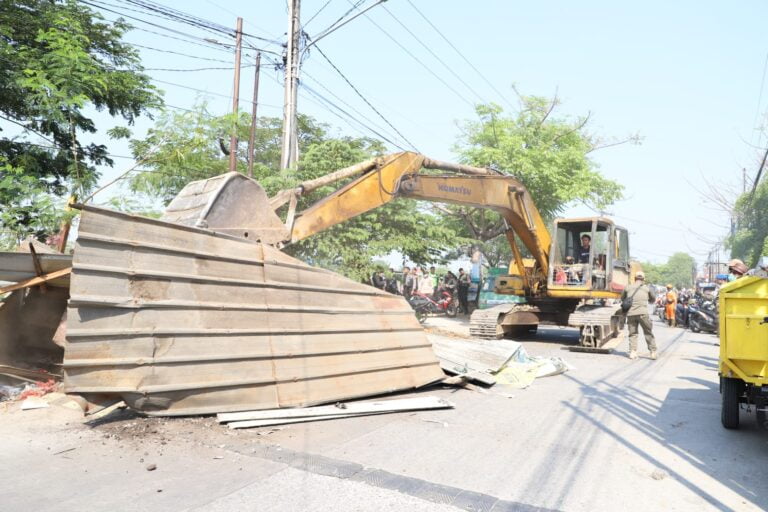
x=181 y=320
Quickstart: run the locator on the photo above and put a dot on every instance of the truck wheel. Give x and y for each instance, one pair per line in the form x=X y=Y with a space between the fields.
x=730 y=391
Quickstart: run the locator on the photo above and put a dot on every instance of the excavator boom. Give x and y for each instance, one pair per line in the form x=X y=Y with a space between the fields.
x=398 y=176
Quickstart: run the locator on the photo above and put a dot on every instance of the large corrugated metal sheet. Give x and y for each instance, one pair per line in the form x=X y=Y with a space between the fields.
x=179 y=320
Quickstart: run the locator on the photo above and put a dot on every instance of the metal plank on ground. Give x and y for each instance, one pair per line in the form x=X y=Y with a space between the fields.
x=404 y=404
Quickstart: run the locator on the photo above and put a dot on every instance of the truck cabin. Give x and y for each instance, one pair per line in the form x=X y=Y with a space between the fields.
x=591 y=254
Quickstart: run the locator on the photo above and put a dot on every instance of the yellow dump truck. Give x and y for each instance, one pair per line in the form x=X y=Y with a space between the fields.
x=744 y=349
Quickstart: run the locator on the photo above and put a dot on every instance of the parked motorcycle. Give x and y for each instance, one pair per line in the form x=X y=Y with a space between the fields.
x=704 y=317
x=682 y=314
x=423 y=305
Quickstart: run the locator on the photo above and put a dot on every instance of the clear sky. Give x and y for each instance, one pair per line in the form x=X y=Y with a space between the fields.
x=687 y=76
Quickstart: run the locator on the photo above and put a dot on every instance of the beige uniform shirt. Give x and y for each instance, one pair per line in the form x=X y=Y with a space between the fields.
x=640 y=299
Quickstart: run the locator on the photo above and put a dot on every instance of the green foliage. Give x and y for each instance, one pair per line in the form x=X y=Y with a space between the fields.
x=28 y=209
x=194 y=145
x=58 y=59
x=547 y=153
x=679 y=271
x=750 y=239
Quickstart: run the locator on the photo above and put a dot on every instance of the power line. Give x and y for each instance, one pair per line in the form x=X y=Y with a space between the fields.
x=363 y=116
x=212 y=93
x=173 y=30
x=178 y=53
x=469 y=62
x=419 y=61
x=189 y=19
x=220 y=48
x=188 y=70
x=318 y=12
x=330 y=27
x=59 y=148
x=441 y=61
x=403 y=137
x=233 y=13
x=329 y=105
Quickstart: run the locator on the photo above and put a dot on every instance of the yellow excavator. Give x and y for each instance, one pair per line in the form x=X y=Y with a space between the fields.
x=565 y=282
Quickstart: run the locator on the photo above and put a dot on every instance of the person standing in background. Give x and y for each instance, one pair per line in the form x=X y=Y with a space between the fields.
x=671 y=305
x=426 y=284
x=407 y=283
x=463 y=290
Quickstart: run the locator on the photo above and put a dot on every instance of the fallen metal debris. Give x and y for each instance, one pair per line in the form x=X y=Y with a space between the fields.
x=493 y=361
x=177 y=320
x=476 y=360
x=327 y=412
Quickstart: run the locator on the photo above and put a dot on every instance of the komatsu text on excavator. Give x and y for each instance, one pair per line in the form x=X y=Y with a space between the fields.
x=564 y=281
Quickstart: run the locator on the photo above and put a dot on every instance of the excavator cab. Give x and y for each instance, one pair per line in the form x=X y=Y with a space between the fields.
x=589 y=259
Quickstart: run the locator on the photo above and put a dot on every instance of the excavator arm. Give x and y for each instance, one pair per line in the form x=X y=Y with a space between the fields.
x=397 y=175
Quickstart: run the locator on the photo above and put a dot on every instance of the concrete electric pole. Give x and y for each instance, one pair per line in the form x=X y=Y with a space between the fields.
x=290 y=139
x=236 y=96
x=252 y=138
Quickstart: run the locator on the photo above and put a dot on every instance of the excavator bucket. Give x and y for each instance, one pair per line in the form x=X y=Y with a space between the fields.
x=178 y=316
x=230 y=203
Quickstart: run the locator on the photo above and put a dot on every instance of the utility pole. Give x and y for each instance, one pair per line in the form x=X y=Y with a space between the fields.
x=252 y=138
x=236 y=96
x=290 y=137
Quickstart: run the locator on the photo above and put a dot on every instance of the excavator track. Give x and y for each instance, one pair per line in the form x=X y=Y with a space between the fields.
x=599 y=327
x=486 y=324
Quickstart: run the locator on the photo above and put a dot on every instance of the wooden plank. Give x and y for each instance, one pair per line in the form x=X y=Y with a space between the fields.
x=405 y=404
x=38 y=267
x=36 y=280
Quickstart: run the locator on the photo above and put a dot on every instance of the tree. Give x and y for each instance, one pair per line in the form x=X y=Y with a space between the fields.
x=547 y=153
x=28 y=208
x=58 y=61
x=749 y=241
x=678 y=271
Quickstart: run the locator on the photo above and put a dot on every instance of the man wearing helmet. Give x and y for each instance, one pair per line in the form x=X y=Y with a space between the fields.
x=640 y=294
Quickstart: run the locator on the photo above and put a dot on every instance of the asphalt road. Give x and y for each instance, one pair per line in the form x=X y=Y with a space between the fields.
x=610 y=434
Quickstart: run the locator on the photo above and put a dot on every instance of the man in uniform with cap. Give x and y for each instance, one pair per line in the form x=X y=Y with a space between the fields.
x=641 y=295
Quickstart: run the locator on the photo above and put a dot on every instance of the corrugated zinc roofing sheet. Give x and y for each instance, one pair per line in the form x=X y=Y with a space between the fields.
x=179 y=320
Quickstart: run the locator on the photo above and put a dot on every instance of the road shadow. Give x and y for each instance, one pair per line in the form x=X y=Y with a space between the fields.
x=687 y=424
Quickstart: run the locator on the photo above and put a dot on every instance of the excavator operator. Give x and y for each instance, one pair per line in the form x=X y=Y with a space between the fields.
x=582 y=255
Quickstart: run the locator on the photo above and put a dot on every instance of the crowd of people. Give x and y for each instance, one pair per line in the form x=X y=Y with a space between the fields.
x=425 y=282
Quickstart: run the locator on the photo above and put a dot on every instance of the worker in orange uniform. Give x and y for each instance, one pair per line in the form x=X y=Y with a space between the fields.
x=671 y=307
